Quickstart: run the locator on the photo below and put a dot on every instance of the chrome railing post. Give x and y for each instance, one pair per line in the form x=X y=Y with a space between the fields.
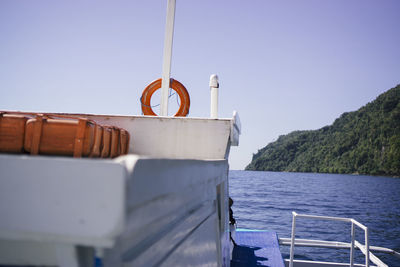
x=366 y=247
x=292 y=241
x=352 y=244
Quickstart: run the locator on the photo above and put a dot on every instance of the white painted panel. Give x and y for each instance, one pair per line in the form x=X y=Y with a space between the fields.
x=152 y=178
x=172 y=137
x=166 y=241
x=153 y=205
x=61 y=199
x=199 y=249
x=27 y=253
x=167 y=201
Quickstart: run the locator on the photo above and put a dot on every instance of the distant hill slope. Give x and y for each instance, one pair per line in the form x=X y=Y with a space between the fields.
x=366 y=141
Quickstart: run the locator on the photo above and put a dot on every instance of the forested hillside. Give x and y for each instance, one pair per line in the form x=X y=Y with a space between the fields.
x=366 y=141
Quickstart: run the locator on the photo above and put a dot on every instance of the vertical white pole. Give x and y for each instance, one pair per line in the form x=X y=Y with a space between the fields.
x=166 y=71
x=293 y=239
x=214 y=85
x=366 y=247
x=352 y=244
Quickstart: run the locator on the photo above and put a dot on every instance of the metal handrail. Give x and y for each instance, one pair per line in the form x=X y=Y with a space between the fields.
x=332 y=244
x=365 y=249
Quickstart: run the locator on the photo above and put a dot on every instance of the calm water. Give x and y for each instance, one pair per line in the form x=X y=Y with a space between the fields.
x=265 y=200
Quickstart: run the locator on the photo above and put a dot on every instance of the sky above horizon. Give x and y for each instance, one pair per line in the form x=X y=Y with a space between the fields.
x=283 y=65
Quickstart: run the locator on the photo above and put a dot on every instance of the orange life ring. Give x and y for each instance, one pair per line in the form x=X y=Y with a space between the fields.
x=174 y=84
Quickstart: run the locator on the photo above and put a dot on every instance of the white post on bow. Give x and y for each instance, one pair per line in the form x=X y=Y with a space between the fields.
x=166 y=71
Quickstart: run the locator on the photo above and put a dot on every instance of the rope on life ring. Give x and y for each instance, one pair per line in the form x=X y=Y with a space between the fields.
x=174 y=84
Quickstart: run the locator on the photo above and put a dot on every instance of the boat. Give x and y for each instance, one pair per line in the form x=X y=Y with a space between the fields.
x=165 y=203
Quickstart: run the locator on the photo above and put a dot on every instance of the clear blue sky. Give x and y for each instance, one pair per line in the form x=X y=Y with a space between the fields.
x=283 y=65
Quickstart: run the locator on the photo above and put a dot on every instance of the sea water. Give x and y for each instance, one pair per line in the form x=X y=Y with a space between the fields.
x=265 y=200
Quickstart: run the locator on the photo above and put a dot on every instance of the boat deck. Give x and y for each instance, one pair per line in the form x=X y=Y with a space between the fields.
x=256 y=248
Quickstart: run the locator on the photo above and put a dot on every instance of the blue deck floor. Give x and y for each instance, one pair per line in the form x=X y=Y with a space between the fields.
x=256 y=248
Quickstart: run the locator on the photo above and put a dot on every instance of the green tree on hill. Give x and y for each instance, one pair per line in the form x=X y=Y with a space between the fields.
x=366 y=141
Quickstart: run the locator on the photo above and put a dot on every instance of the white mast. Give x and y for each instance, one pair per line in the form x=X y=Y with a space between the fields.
x=166 y=70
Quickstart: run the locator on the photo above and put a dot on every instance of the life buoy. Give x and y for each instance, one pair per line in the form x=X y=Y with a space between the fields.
x=174 y=84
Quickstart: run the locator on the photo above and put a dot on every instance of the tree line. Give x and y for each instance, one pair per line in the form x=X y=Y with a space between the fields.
x=366 y=141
